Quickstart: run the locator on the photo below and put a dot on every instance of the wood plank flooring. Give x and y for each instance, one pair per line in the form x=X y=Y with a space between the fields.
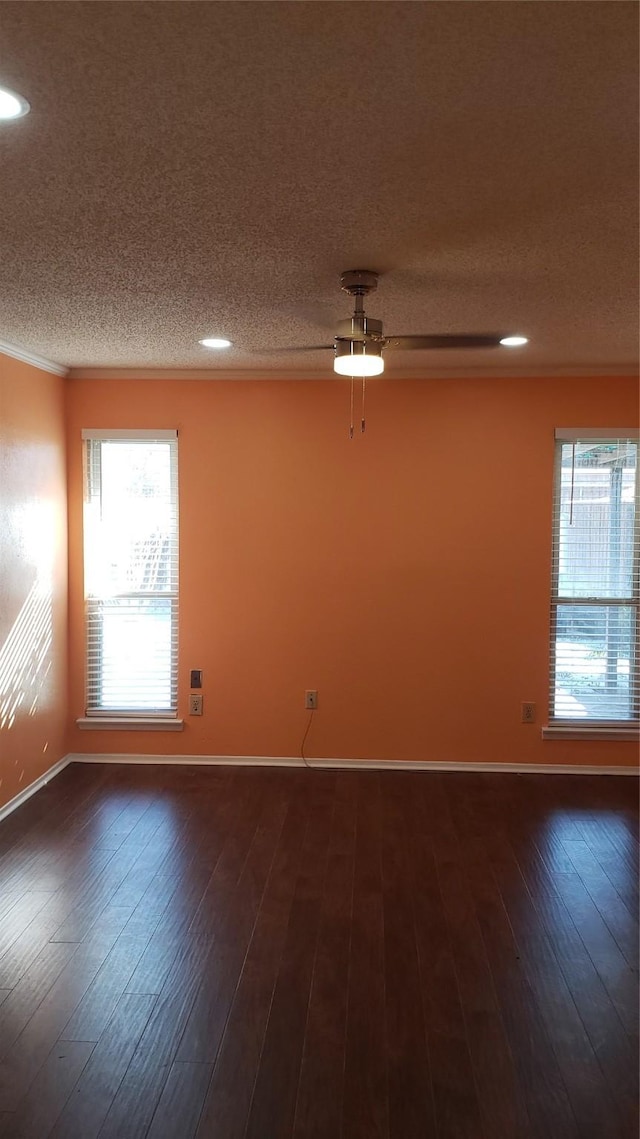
x=253 y=953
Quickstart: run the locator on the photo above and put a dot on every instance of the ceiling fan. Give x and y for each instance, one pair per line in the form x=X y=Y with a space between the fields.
x=359 y=341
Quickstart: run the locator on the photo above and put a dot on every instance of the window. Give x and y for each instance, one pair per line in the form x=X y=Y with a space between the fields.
x=596 y=583
x=131 y=572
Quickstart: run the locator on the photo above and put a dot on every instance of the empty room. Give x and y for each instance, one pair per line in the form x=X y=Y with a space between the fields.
x=319 y=569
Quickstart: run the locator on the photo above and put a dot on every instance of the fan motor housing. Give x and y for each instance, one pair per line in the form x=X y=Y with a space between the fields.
x=359 y=327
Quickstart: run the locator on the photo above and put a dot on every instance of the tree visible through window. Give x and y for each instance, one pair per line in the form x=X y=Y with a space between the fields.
x=131 y=572
x=595 y=605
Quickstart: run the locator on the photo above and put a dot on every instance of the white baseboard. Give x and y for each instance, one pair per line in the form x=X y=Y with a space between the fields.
x=27 y=792
x=353 y=764
x=296 y=761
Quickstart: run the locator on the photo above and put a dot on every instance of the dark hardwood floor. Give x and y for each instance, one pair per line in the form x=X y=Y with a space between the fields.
x=253 y=953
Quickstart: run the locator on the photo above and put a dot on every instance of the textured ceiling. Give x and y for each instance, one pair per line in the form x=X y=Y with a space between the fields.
x=193 y=169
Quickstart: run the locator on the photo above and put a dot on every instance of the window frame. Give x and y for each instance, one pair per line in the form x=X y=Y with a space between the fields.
x=140 y=719
x=585 y=727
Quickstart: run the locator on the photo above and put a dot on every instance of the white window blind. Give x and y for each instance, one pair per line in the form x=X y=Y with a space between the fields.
x=596 y=584
x=131 y=572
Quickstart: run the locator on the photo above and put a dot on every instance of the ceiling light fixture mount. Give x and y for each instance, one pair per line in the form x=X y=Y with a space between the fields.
x=12 y=106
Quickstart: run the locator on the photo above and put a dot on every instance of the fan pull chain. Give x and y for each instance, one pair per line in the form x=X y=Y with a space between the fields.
x=351 y=412
x=364 y=390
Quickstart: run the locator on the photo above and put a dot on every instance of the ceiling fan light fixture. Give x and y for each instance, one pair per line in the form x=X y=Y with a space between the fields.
x=358 y=358
x=514 y=341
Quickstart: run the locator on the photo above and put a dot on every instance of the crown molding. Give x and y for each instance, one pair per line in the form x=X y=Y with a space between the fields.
x=619 y=371
x=27 y=357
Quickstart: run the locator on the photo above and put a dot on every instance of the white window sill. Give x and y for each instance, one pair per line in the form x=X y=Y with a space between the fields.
x=590 y=732
x=129 y=724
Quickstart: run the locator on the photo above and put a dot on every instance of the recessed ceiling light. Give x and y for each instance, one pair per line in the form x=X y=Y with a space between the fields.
x=514 y=341
x=12 y=106
x=215 y=342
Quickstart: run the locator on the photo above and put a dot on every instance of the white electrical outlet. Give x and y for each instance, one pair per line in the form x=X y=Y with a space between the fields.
x=528 y=712
x=195 y=705
x=311 y=698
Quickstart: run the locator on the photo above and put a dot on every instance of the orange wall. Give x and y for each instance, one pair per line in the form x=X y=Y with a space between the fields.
x=405 y=574
x=33 y=575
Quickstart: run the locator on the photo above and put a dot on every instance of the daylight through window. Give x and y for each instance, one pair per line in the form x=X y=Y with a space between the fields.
x=595 y=604
x=131 y=572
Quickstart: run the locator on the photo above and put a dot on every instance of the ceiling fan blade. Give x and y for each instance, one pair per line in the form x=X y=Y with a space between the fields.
x=296 y=348
x=472 y=340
